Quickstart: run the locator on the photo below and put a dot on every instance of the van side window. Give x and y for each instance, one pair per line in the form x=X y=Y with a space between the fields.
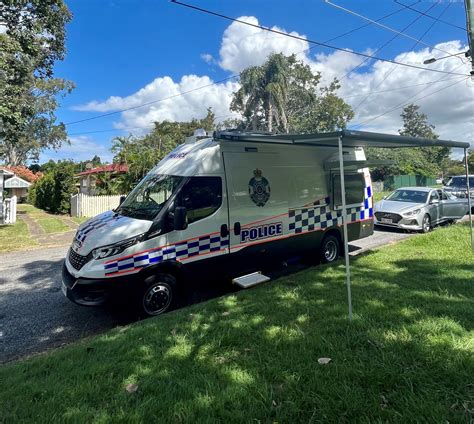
x=201 y=197
x=354 y=184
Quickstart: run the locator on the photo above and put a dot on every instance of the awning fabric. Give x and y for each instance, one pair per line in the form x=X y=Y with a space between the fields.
x=349 y=138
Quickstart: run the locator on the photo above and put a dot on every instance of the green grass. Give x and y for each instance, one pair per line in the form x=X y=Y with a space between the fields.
x=51 y=224
x=79 y=219
x=380 y=195
x=15 y=237
x=408 y=355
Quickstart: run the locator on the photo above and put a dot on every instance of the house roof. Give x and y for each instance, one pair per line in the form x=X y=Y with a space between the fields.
x=16 y=182
x=114 y=168
x=5 y=171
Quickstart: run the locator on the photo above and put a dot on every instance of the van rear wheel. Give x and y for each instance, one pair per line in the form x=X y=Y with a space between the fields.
x=158 y=295
x=330 y=249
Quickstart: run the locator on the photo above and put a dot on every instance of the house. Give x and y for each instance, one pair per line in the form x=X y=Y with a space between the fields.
x=14 y=185
x=88 y=178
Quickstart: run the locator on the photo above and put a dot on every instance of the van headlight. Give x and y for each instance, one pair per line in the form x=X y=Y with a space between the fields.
x=413 y=212
x=115 y=249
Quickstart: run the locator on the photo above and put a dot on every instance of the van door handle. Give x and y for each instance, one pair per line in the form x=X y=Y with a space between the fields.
x=237 y=228
x=224 y=230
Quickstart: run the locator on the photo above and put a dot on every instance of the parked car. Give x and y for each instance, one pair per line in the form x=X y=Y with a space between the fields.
x=457 y=186
x=419 y=208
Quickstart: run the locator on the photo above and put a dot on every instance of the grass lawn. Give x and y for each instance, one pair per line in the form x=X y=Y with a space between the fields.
x=380 y=195
x=15 y=237
x=408 y=355
x=79 y=219
x=51 y=224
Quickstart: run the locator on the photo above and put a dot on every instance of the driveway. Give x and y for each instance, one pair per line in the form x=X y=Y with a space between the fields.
x=35 y=316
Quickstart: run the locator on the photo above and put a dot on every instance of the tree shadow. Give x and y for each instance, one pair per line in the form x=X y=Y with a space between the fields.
x=253 y=354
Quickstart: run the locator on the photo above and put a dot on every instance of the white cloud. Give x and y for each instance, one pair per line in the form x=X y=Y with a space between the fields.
x=81 y=148
x=450 y=110
x=244 y=46
x=208 y=58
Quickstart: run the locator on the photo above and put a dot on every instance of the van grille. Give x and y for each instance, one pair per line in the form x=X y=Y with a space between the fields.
x=76 y=260
x=386 y=215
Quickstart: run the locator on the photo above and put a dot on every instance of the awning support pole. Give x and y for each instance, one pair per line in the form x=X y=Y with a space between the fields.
x=469 y=203
x=344 y=223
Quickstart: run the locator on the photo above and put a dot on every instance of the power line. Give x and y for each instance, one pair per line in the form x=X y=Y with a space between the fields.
x=388 y=42
x=385 y=27
x=403 y=87
x=152 y=102
x=404 y=103
x=217 y=82
x=394 y=67
x=429 y=16
x=150 y=125
x=236 y=76
x=296 y=37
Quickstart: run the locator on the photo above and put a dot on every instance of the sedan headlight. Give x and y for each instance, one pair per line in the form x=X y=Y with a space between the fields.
x=413 y=212
x=115 y=249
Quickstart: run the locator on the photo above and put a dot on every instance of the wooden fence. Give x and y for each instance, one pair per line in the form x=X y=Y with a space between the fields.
x=84 y=205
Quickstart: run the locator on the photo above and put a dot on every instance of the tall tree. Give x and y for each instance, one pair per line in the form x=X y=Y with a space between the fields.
x=425 y=161
x=33 y=40
x=283 y=95
x=141 y=154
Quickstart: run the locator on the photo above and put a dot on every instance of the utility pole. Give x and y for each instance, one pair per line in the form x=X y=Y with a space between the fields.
x=470 y=31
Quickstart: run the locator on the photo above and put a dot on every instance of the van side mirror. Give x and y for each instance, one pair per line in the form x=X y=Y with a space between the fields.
x=122 y=198
x=180 y=221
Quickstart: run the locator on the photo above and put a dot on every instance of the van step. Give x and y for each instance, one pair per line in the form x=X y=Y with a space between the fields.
x=250 y=280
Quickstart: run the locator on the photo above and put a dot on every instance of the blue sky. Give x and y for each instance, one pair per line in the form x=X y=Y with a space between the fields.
x=117 y=48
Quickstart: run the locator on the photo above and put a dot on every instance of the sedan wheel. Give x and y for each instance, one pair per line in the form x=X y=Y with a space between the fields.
x=426 y=224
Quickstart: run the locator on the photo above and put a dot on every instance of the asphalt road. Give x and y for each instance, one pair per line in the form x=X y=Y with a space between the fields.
x=35 y=316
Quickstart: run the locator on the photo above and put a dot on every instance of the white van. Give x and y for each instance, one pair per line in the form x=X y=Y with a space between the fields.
x=223 y=207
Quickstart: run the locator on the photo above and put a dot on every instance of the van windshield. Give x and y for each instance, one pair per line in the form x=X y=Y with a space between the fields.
x=150 y=195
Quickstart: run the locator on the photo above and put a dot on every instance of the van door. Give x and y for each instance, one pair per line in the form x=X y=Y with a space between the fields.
x=206 y=236
x=257 y=189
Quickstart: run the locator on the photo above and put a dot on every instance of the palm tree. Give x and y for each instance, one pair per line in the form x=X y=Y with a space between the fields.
x=263 y=93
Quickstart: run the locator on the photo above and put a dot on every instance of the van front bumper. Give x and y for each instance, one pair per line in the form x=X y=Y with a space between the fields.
x=94 y=292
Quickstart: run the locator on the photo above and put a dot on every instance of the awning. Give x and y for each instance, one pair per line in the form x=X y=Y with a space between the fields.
x=343 y=139
x=349 y=138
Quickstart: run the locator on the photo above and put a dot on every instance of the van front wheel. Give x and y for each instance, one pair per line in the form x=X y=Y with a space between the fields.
x=158 y=295
x=330 y=249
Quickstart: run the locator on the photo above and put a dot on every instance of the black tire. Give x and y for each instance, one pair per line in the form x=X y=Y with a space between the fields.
x=158 y=295
x=330 y=249
x=426 y=224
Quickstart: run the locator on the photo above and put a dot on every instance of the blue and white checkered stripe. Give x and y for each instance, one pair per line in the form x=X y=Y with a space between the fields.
x=179 y=251
x=321 y=216
x=95 y=224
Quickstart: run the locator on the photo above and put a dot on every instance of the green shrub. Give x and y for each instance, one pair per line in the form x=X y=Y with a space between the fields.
x=53 y=191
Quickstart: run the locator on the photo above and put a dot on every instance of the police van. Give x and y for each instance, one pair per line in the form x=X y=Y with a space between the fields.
x=226 y=206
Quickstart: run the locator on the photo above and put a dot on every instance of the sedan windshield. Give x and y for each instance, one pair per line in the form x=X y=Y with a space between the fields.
x=460 y=182
x=409 y=196
x=149 y=196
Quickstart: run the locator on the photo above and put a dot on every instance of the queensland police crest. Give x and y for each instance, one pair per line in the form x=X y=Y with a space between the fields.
x=259 y=188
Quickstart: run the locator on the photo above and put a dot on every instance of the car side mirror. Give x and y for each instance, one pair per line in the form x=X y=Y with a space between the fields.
x=180 y=221
x=434 y=201
x=122 y=198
